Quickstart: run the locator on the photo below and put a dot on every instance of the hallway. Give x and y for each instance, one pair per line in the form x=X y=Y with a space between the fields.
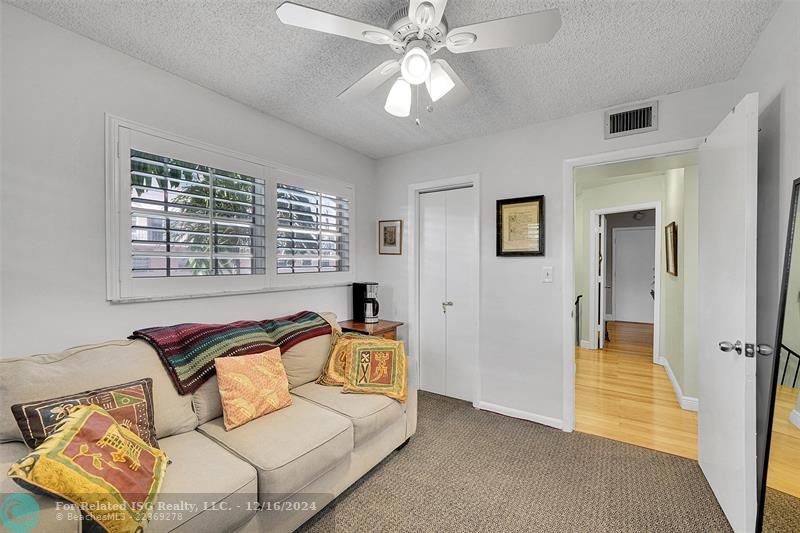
x=620 y=394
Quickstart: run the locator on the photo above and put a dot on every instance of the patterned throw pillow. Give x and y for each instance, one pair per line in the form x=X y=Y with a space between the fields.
x=90 y=460
x=335 y=370
x=251 y=386
x=131 y=405
x=377 y=368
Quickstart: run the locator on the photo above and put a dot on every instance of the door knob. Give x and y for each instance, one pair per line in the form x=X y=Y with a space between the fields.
x=726 y=346
x=765 y=349
x=445 y=305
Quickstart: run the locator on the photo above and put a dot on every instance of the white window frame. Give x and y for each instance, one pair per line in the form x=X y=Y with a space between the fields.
x=121 y=286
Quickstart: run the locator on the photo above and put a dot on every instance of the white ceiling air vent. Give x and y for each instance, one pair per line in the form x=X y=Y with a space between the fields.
x=631 y=119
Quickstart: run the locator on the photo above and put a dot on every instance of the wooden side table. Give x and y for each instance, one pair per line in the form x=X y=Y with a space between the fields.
x=383 y=328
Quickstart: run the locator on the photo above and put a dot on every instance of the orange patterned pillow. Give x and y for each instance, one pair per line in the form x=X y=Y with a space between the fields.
x=377 y=368
x=335 y=370
x=251 y=386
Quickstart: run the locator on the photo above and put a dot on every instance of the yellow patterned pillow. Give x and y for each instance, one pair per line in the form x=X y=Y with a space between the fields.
x=377 y=367
x=251 y=386
x=335 y=370
x=100 y=466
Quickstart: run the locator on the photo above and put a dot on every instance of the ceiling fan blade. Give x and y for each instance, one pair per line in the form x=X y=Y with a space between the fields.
x=438 y=6
x=314 y=19
x=459 y=93
x=537 y=27
x=371 y=81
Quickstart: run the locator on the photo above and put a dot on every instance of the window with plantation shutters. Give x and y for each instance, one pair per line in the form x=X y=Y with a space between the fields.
x=186 y=219
x=189 y=219
x=313 y=231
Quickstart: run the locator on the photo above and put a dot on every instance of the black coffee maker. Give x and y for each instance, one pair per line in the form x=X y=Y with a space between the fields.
x=365 y=302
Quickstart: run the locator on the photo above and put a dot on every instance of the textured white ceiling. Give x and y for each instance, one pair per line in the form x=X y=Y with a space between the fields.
x=606 y=53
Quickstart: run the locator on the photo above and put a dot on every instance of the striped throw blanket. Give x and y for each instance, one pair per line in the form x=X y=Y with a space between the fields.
x=188 y=350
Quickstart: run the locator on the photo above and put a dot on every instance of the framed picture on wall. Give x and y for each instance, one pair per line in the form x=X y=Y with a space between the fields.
x=520 y=226
x=390 y=237
x=671 y=242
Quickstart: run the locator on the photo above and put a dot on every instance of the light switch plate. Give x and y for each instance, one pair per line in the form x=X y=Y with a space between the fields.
x=547 y=274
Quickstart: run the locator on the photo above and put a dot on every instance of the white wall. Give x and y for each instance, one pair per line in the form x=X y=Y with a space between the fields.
x=521 y=317
x=56 y=88
x=672 y=286
x=687 y=237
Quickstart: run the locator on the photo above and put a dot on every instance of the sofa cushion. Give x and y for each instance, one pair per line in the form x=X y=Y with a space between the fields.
x=290 y=448
x=304 y=361
x=369 y=413
x=204 y=474
x=92 y=367
x=206 y=401
x=299 y=361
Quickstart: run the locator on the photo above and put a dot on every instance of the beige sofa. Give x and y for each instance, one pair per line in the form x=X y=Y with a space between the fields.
x=271 y=474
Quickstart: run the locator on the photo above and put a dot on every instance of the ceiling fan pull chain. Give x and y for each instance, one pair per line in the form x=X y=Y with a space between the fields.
x=417 y=120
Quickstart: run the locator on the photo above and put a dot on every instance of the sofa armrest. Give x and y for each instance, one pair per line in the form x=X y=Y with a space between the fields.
x=411 y=397
x=54 y=516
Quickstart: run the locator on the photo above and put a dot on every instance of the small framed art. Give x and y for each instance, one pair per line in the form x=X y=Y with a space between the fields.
x=671 y=243
x=390 y=237
x=520 y=226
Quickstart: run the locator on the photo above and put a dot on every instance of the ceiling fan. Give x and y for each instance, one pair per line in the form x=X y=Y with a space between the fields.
x=417 y=32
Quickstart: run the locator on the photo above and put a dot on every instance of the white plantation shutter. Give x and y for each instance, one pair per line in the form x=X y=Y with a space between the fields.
x=313 y=231
x=187 y=219
x=194 y=220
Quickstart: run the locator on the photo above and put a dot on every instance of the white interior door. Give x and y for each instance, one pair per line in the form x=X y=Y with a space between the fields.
x=432 y=280
x=448 y=293
x=461 y=316
x=634 y=264
x=600 y=282
x=727 y=312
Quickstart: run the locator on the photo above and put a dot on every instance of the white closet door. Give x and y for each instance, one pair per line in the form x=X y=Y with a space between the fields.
x=461 y=317
x=432 y=277
x=448 y=293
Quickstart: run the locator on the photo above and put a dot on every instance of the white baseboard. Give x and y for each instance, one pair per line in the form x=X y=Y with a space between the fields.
x=689 y=403
x=609 y=317
x=587 y=345
x=524 y=415
x=794 y=418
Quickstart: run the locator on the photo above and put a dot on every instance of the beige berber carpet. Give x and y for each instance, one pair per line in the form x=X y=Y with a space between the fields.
x=472 y=471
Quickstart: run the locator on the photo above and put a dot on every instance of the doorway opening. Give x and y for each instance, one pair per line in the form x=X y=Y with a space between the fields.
x=635 y=355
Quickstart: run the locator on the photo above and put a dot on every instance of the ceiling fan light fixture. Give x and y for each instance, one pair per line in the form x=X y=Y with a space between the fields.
x=439 y=83
x=376 y=37
x=424 y=15
x=398 y=103
x=416 y=66
x=463 y=38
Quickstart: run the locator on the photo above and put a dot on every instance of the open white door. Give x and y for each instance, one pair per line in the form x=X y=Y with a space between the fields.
x=727 y=313
x=602 y=246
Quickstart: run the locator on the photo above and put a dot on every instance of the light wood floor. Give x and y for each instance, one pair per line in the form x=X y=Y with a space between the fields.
x=620 y=394
x=783 y=473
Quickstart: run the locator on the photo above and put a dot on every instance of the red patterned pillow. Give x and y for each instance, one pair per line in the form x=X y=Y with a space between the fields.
x=130 y=404
x=92 y=461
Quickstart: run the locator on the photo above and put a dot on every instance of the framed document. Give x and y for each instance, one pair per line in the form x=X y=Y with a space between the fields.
x=520 y=226
x=390 y=237
x=671 y=242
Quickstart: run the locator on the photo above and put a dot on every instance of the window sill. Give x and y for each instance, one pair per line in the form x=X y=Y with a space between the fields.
x=129 y=300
